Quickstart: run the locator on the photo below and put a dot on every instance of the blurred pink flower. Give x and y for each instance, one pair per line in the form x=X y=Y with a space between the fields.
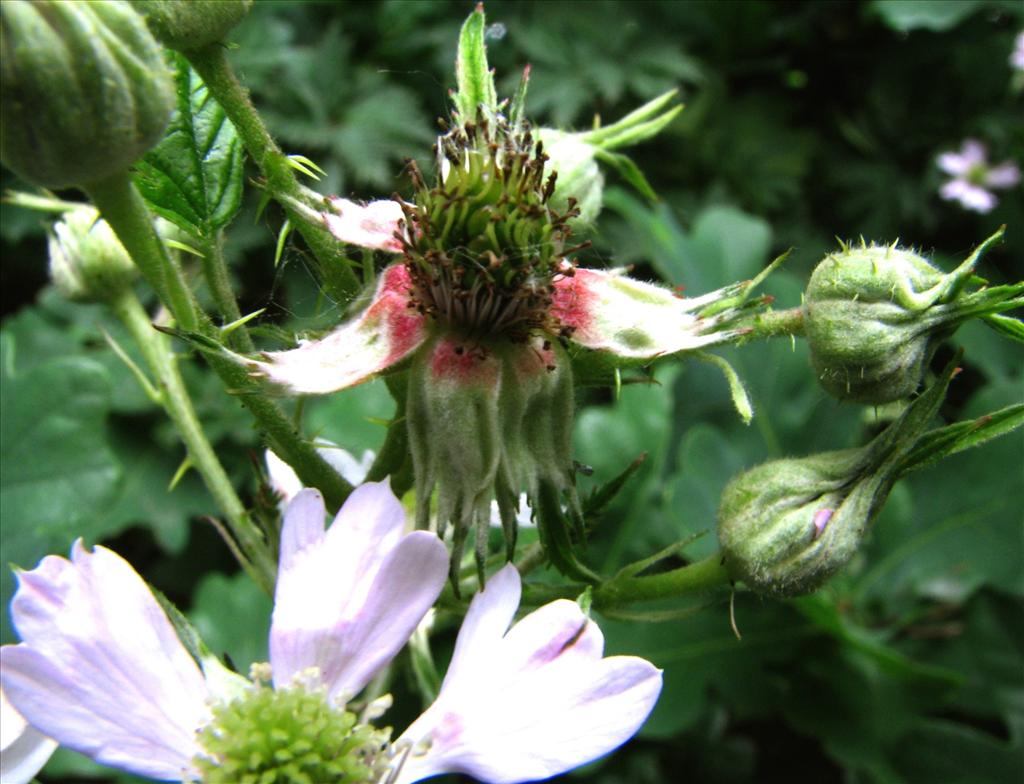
x=973 y=177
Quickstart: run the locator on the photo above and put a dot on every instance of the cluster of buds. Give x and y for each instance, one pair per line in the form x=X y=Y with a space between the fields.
x=875 y=314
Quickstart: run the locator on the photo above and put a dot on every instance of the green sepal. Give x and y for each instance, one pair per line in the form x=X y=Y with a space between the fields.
x=555 y=535
x=942 y=442
x=473 y=77
x=1006 y=326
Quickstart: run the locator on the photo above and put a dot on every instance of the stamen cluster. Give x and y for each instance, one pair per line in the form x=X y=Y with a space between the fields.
x=482 y=245
x=288 y=736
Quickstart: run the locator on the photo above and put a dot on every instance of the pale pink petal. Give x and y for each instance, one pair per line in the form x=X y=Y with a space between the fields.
x=1005 y=175
x=970 y=196
x=23 y=749
x=100 y=668
x=373 y=225
x=488 y=618
x=379 y=337
x=954 y=163
x=612 y=312
x=974 y=152
x=541 y=703
x=332 y=586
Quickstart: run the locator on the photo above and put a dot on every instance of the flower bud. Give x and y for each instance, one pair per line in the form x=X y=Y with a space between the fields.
x=190 y=24
x=87 y=261
x=579 y=177
x=786 y=526
x=874 y=316
x=85 y=90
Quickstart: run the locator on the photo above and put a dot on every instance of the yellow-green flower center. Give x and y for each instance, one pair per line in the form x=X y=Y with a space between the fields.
x=289 y=736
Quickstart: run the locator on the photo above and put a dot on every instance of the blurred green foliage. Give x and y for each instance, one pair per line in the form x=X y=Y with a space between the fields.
x=804 y=121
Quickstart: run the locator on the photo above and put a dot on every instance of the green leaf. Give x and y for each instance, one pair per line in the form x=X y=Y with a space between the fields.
x=945 y=441
x=193 y=178
x=473 y=77
x=935 y=15
x=232 y=614
x=57 y=474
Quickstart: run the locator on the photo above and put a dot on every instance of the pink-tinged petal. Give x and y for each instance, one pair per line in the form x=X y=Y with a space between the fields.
x=100 y=668
x=374 y=225
x=612 y=312
x=542 y=703
x=23 y=749
x=973 y=152
x=488 y=618
x=1005 y=175
x=970 y=196
x=382 y=335
x=954 y=163
x=332 y=586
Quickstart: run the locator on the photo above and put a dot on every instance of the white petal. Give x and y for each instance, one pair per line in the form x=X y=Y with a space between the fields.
x=373 y=225
x=100 y=668
x=23 y=749
x=970 y=196
x=541 y=703
x=484 y=626
x=953 y=163
x=612 y=312
x=286 y=483
x=382 y=335
x=347 y=600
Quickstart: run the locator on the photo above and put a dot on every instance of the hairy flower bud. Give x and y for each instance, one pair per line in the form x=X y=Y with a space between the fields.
x=85 y=90
x=786 y=526
x=874 y=316
x=190 y=24
x=573 y=159
x=87 y=261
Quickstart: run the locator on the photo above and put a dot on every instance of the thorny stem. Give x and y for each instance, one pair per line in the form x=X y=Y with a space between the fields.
x=215 y=270
x=123 y=208
x=174 y=398
x=778 y=322
x=212 y=65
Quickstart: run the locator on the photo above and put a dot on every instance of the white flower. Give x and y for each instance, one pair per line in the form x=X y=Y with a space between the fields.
x=529 y=702
x=23 y=749
x=101 y=669
x=286 y=483
x=973 y=176
x=1017 y=55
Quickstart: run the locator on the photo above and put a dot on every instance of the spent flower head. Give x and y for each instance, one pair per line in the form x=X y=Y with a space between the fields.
x=486 y=306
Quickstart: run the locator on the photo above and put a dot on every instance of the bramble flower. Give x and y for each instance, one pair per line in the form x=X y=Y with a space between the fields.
x=487 y=308
x=973 y=177
x=101 y=669
x=1017 y=55
x=23 y=749
x=529 y=702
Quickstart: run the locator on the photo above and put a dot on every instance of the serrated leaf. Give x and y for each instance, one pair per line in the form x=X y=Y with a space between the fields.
x=193 y=178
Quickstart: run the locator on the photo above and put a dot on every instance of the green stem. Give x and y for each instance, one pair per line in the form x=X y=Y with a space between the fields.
x=215 y=270
x=123 y=208
x=258 y=561
x=697 y=577
x=778 y=322
x=212 y=65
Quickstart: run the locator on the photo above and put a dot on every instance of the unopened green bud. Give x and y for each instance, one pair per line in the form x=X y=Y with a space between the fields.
x=87 y=261
x=874 y=316
x=786 y=526
x=190 y=24
x=85 y=90
x=579 y=178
